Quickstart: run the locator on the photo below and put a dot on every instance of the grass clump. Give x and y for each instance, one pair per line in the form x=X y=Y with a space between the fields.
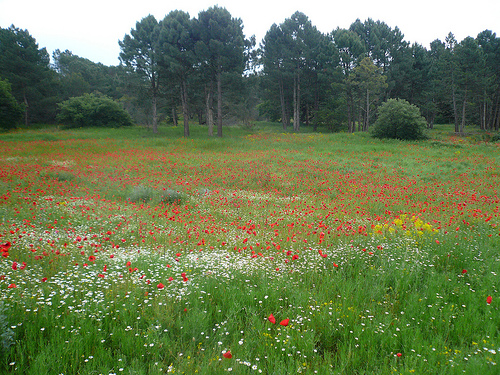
x=141 y=193
x=171 y=196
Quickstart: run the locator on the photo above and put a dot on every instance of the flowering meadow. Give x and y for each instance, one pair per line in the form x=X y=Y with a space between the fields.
x=262 y=252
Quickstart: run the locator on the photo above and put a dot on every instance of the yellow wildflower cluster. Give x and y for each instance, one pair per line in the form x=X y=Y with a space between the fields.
x=410 y=226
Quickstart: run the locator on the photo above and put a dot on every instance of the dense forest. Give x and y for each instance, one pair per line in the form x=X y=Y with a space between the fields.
x=205 y=69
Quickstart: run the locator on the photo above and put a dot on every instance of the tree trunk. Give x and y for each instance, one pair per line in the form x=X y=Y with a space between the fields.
x=219 y=104
x=153 y=109
x=174 y=116
x=462 y=124
x=284 y=115
x=367 y=119
x=210 y=112
x=307 y=116
x=185 y=111
x=350 y=125
x=454 y=99
x=296 y=103
x=26 y=106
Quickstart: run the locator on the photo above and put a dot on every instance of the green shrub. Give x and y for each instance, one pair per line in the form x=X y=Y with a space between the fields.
x=11 y=112
x=171 y=196
x=141 y=193
x=495 y=138
x=93 y=110
x=398 y=119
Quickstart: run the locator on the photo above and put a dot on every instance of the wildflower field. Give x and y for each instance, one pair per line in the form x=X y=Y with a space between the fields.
x=262 y=252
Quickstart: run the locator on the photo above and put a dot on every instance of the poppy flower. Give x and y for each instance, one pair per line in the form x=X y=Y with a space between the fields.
x=14 y=266
x=489 y=299
x=91 y=258
x=399 y=354
x=44 y=280
x=160 y=286
x=272 y=319
x=464 y=271
x=12 y=286
x=284 y=322
x=227 y=355
x=5 y=246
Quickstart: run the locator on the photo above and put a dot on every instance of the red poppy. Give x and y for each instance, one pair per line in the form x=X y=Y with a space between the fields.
x=489 y=299
x=14 y=266
x=399 y=354
x=5 y=246
x=295 y=257
x=272 y=319
x=284 y=322
x=464 y=271
x=91 y=258
x=335 y=265
x=44 y=280
x=170 y=278
x=160 y=286
x=129 y=264
x=228 y=354
x=12 y=286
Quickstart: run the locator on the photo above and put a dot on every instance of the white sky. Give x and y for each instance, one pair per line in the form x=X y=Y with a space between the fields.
x=92 y=28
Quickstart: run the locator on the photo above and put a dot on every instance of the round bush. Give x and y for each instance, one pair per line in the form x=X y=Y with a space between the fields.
x=398 y=119
x=93 y=110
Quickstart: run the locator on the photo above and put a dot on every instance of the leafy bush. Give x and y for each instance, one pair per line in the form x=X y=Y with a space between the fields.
x=495 y=138
x=171 y=196
x=93 y=110
x=141 y=193
x=398 y=119
x=11 y=112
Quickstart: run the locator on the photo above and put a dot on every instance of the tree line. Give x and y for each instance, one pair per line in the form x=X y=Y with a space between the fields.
x=205 y=68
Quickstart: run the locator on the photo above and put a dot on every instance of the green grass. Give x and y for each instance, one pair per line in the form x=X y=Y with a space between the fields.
x=114 y=274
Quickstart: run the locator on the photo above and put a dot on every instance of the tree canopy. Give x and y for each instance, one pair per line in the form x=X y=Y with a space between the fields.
x=204 y=67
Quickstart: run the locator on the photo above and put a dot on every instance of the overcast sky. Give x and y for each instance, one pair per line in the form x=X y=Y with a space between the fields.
x=92 y=28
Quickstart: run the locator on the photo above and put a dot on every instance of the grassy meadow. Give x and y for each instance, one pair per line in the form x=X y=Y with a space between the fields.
x=263 y=252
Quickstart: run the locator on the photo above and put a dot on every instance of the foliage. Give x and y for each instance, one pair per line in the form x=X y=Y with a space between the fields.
x=26 y=67
x=141 y=193
x=205 y=67
x=171 y=196
x=399 y=119
x=11 y=113
x=6 y=333
x=92 y=110
x=140 y=56
x=77 y=76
